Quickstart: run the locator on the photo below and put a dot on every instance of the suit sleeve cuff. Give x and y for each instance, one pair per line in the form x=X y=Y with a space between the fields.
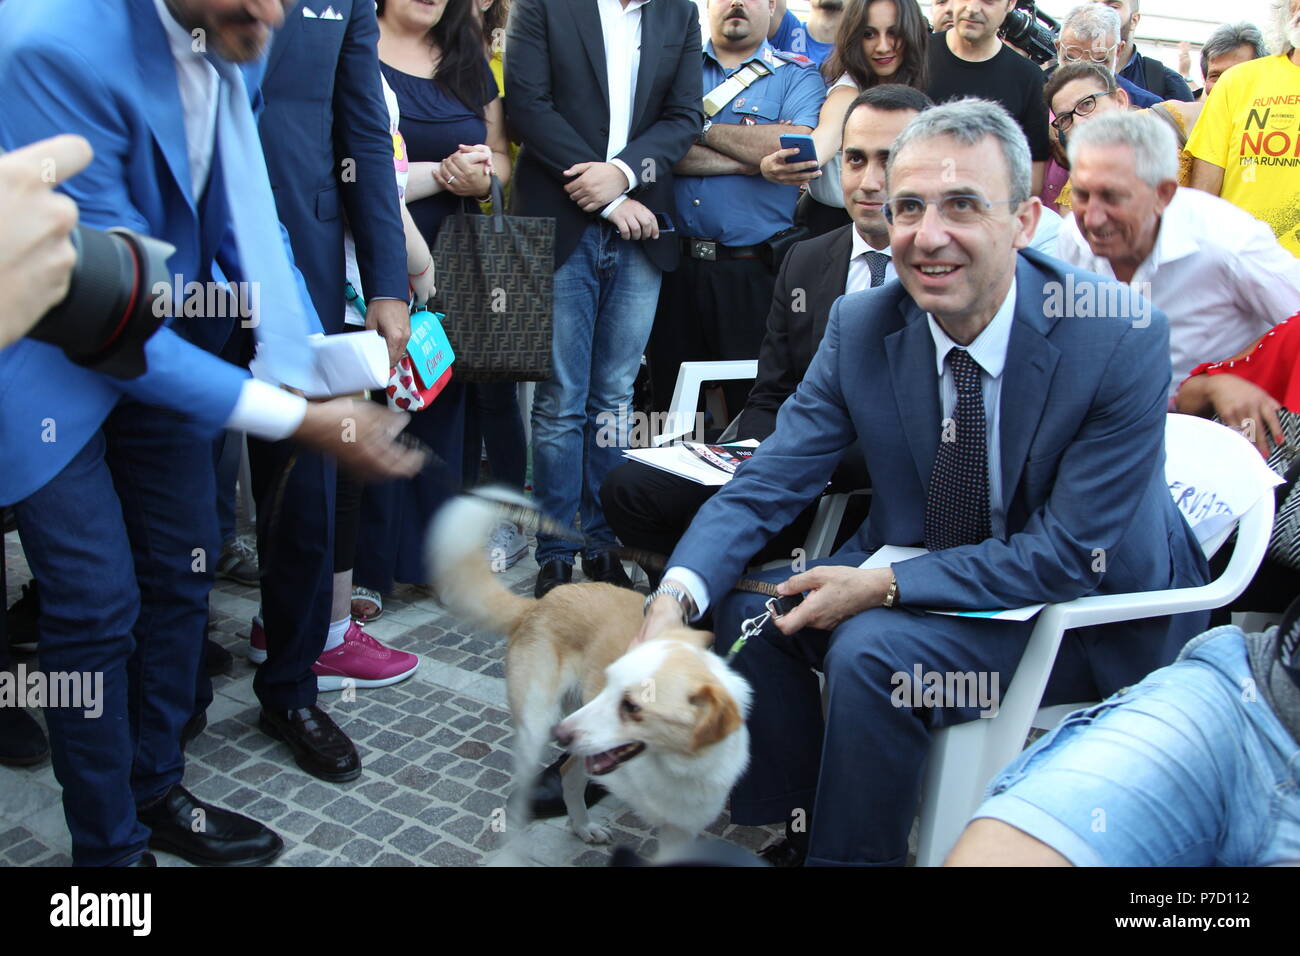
x=627 y=171
x=694 y=585
x=267 y=412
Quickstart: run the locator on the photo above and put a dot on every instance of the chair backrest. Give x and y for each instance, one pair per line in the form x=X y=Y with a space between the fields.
x=1214 y=476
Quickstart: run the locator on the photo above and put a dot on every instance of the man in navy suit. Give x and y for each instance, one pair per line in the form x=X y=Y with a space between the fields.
x=1022 y=447
x=325 y=133
x=111 y=480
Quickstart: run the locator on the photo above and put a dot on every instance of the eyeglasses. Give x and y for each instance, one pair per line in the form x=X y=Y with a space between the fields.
x=960 y=210
x=1073 y=54
x=1081 y=108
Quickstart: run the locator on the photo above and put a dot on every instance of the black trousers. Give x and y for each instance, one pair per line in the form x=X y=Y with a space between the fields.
x=650 y=510
x=294 y=487
x=708 y=311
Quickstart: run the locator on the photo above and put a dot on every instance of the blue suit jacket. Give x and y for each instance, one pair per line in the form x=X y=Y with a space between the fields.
x=324 y=106
x=1082 y=445
x=103 y=69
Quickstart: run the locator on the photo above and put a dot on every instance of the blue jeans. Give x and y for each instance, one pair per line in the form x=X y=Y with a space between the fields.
x=605 y=298
x=1188 y=768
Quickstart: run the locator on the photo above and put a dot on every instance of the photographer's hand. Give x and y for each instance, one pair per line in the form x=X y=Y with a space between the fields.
x=36 y=255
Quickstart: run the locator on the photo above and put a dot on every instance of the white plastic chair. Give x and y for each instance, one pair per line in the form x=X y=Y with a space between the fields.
x=686 y=393
x=680 y=422
x=964 y=758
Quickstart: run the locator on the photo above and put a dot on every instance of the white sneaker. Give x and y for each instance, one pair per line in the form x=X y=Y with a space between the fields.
x=506 y=546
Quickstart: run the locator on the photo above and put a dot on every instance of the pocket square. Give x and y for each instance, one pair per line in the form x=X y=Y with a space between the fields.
x=331 y=14
x=310 y=14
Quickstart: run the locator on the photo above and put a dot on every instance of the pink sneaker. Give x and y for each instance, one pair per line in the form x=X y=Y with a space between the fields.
x=361 y=661
x=257 y=642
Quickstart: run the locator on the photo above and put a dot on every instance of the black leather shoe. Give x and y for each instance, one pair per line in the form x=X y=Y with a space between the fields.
x=551 y=575
x=206 y=835
x=216 y=659
x=193 y=727
x=318 y=745
x=783 y=853
x=606 y=567
x=548 y=795
x=22 y=742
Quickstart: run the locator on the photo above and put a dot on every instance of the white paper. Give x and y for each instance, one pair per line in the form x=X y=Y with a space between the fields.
x=893 y=554
x=342 y=364
x=1214 y=474
x=681 y=461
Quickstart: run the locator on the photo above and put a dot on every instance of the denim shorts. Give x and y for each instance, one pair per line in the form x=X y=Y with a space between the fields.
x=1188 y=768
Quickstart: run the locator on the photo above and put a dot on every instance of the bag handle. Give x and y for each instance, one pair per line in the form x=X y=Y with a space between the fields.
x=495 y=193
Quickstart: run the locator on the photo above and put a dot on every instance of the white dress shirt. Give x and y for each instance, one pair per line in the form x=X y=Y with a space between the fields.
x=1049 y=228
x=1216 y=271
x=989 y=350
x=621 y=28
x=262 y=409
x=859 y=270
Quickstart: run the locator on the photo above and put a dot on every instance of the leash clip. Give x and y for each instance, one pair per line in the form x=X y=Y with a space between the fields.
x=752 y=627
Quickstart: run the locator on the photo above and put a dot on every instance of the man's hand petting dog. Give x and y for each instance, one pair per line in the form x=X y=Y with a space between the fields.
x=835 y=594
x=664 y=613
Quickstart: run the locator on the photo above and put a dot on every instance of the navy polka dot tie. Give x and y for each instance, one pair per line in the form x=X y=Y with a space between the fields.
x=876 y=262
x=957 y=503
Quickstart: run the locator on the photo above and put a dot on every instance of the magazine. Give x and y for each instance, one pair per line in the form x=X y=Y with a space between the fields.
x=723 y=457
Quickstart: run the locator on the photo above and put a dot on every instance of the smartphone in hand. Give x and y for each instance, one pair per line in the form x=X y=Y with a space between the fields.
x=802 y=142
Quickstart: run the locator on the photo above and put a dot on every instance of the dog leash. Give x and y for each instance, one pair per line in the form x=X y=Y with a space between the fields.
x=513 y=506
x=776 y=605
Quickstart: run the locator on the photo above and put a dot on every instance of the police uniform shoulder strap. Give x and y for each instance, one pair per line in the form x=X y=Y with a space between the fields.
x=730 y=88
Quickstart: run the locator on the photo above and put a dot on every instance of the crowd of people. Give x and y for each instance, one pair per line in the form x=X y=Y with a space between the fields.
x=877 y=204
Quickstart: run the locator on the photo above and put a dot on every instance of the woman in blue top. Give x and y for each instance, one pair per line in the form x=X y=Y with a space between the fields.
x=431 y=54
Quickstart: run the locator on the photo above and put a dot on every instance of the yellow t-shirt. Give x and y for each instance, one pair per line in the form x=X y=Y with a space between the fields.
x=1251 y=128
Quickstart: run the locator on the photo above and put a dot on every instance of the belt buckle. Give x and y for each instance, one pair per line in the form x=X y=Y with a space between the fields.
x=704 y=249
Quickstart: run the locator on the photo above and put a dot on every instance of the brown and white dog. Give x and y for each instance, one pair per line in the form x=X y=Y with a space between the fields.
x=662 y=725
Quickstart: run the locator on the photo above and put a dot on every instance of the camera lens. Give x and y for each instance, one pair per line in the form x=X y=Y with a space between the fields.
x=108 y=312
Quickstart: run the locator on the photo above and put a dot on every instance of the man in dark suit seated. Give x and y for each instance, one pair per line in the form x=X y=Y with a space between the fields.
x=1023 y=448
x=650 y=509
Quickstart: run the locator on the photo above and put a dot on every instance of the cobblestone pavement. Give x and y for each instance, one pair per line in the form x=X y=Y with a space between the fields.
x=436 y=751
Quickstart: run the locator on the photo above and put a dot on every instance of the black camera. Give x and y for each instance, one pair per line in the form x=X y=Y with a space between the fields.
x=111 y=307
x=1022 y=29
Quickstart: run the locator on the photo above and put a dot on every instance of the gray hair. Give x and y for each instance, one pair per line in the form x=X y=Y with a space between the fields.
x=1280 y=40
x=1227 y=38
x=1092 y=21
x=969 y=121
x=1155 y=152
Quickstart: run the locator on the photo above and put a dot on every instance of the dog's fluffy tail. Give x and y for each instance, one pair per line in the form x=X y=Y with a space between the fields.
x=456 y=556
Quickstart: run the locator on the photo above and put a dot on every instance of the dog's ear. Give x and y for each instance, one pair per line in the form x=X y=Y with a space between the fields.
x=716 y=715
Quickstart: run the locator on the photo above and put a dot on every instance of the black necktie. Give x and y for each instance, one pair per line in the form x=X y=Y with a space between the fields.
x=876 y=263
x=957 y=503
